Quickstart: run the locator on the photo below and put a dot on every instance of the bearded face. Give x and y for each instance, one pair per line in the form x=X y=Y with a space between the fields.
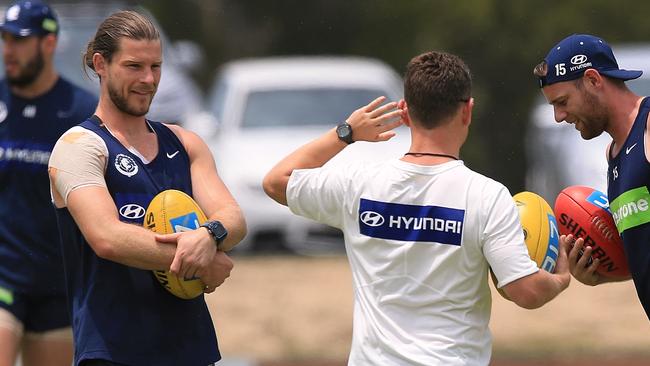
x=125 y=100
x=592 y=116
x=132 y=75
x=23 y=59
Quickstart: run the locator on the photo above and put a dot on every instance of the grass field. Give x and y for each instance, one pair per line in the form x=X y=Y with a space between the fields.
x=298 y=311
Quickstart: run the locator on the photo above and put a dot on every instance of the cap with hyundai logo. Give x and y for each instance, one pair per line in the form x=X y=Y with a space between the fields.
x=29 y=17
x=575 y=54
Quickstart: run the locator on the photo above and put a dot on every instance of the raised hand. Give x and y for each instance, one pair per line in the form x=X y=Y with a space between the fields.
x=374 y=121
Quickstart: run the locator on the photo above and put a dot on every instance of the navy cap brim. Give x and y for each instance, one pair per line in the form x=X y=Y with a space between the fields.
x=622 y=74
x=15 y=30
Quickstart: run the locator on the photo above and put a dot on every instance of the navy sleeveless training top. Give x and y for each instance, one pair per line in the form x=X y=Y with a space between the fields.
x=628 y=178
x=30 y=257
x=121 y=313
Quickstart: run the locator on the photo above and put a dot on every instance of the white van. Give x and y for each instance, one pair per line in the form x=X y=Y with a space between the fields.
x=266 y=108
x=557 y=157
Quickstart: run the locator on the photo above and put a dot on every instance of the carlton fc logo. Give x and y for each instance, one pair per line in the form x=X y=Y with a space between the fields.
x=372 y=218
x=126 y=165
x=132 y=211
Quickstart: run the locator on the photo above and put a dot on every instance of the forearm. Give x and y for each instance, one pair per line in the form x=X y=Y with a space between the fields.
x=372 y=122
x=537 y=289
x=97 y=218
x=311 y=155
x=546 y=287
x=132 y=246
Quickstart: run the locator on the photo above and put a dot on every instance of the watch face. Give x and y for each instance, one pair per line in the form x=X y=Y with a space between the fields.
x=218 y=230
x=344 y=132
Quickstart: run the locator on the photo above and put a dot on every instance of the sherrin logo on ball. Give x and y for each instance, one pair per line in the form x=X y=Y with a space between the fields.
x=173 y=211
x=584 y=212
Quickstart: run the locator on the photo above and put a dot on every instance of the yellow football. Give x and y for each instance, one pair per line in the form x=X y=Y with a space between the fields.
x=540 y=232
x=169 y=212
x=540 y=229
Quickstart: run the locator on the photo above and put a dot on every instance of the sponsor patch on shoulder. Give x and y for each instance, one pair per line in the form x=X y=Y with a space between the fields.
x=404 y=222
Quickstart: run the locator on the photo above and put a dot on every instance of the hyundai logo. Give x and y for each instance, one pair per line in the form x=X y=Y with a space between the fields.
x=578 y=59
x=372 y=218
x=132 y=211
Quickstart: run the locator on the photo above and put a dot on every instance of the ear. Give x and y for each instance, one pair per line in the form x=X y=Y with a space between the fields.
x=466 y=111
x=591 y=77
x=48 y=44
x=100 y=64
x=406 y=119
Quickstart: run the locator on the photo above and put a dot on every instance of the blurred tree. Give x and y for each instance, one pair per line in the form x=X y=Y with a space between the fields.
x=501 y=40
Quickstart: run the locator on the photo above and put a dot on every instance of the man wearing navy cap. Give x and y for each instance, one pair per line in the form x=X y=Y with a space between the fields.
x=36 y=107
x=583 y=82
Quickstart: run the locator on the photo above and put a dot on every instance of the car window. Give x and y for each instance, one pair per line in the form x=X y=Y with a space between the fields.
x=301 y=107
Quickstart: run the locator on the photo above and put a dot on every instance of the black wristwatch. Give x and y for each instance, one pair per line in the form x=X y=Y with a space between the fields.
x=216 y=230
x=344 y=132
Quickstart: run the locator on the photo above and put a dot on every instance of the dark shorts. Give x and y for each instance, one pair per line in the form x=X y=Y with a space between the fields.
x=38 y=313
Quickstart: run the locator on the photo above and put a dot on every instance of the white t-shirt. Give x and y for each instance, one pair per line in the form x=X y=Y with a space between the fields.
x=419 y=240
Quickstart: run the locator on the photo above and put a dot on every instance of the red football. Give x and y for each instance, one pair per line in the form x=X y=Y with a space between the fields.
x=584 y=212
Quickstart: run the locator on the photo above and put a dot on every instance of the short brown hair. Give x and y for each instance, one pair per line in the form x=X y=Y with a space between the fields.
x=434 y=84
x=121 y=24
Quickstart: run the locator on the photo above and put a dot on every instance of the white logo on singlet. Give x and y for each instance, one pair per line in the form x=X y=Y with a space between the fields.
x=3 y=111
x=29 y=111
x=132 y=211
x=126 y=165
x=627 y=150
x=172 y=155
x=64 y=114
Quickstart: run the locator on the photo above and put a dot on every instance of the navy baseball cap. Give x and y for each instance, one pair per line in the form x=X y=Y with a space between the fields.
x=575 y=54
x=28 y=18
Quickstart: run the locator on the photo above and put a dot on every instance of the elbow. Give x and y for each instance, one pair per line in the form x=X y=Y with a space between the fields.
x=529 y=302
x=242 y=230
x=275 y=188
x=236 y=233
x=532 y=291
x=103 y=249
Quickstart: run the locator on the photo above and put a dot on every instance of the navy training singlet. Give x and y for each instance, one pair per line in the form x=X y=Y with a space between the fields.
x=120 y=313
x=628 y=184
x=30 y=257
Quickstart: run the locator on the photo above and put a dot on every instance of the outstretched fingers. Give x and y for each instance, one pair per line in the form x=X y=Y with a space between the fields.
x=386 y=108
x=374 y=104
